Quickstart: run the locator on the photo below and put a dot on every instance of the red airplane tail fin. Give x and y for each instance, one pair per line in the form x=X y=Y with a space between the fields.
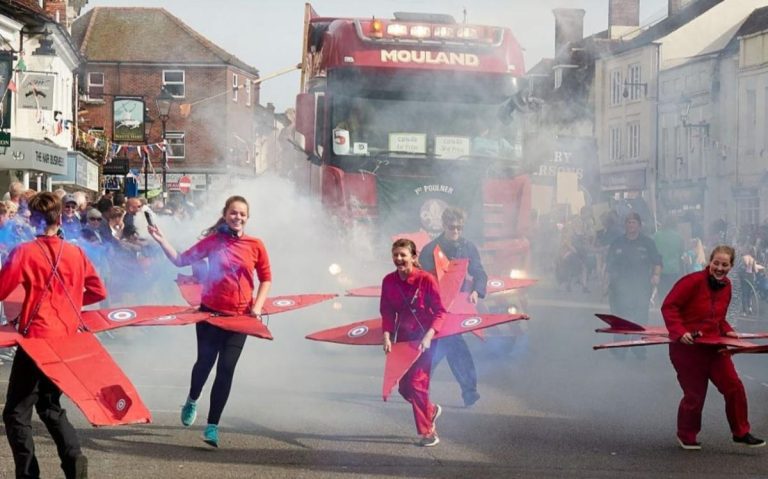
x=616 y=322
x=397 y=363
x=83 y=370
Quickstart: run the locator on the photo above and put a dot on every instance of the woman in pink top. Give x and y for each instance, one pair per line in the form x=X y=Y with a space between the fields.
x=228 y=288
x=411 y=310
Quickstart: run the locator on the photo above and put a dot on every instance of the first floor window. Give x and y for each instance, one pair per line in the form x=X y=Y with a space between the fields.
x=175 y=145
x=95 y=86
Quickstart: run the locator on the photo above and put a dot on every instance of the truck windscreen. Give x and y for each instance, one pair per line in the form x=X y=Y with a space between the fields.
x=442 y=129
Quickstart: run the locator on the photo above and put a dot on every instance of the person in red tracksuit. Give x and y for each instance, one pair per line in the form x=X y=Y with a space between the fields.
x=58 y=279
x=696 y=307
x=228 y=289
x=411 y=310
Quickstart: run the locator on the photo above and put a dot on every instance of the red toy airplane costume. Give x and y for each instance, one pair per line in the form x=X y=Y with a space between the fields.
x=58 y=279
x=404 y=354
x=694 y=312
x=411 y=310
x=227 y=289
x=697 y=304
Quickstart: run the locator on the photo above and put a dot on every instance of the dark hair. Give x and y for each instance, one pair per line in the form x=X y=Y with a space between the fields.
x=723 y=248
x=232 y=199
x=47 y=205
x=410 y=245
x=633 y=215
x=452 y=214
x=118 y=199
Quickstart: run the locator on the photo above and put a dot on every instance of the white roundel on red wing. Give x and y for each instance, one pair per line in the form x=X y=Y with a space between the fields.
x=358 y=331
x=471 y=322
x=119 y=315
x=283 y=303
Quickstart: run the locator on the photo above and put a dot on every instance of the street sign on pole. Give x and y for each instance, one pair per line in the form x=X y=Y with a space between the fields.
x=185 y=184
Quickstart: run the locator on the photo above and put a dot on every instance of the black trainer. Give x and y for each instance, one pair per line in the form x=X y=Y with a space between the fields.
x=689 y=446
x=749 y=440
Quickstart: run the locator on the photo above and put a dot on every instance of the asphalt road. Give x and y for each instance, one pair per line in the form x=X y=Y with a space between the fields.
x=553 y=408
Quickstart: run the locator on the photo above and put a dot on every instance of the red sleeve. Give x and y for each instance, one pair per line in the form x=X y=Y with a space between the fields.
x=725 y=327
x=434 y=302
x=262 y=267
x=198 y=251
x=386 y=309
x=11 y=274
x=682 y=293
x=94 y=287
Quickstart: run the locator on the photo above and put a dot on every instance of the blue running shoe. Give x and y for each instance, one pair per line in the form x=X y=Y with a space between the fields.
x=189 y=413
x=211 y=435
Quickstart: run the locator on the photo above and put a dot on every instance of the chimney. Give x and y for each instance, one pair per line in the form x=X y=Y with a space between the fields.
x=57 y=10
x=675 y=6
x=569 y=27
x=623 y=17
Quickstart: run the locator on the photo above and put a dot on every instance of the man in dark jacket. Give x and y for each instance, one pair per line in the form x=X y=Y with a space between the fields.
x=454 y=348
x=633 y=265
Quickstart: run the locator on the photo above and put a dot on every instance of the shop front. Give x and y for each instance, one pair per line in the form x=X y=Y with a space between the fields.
x=82 y=175
x=33 y=162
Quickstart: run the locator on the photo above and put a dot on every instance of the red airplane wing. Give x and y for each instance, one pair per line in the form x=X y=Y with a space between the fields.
x=361 y=333
x=498 y=285
x=646 y=341
x=752 y=335
x=725 y=341
x=397 y=363
x=281 y=304
x=242 y=324
x=9 y=336
x=761 y=349
x=622 y=326
x=190 y=289
x=652 y=340
x=464 y=323
x=98 y=320
x=86 y=373
x=365 y=292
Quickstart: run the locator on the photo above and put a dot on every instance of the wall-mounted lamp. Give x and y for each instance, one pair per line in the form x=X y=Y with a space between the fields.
x=635 y=87
x=46 y=45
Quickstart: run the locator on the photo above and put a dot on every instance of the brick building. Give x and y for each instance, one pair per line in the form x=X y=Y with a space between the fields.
x=131 y=55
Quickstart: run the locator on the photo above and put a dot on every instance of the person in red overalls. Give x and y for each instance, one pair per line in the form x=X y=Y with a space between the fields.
x=228 y=289
x=58 y=279
x=696 y=307
x=411 y=310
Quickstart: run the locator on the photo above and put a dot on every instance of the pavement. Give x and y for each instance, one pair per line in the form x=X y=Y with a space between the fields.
x=550 y=407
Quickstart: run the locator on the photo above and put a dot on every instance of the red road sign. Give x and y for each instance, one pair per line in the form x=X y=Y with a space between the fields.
x=185 y=184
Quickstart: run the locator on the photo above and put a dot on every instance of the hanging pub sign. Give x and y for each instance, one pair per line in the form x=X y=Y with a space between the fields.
x=128 y=119
x=36 y=91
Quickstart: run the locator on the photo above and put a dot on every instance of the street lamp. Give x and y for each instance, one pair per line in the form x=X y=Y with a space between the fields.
x=163 y=102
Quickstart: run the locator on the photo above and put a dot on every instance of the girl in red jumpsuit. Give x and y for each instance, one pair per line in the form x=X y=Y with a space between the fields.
x=411 y=310
x=228 y=289
x=696 y=306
